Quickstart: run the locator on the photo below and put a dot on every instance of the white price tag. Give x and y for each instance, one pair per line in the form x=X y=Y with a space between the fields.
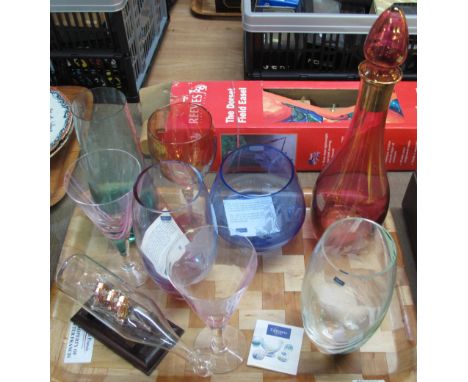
x=251 y=217
x=163 y=238
x=80 y=346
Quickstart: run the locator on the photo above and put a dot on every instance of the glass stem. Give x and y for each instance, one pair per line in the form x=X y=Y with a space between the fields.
x=123 y=247
x=201 y=364
x=131 y=238
x=218 y=344
x=188 y=194
x=183 y=351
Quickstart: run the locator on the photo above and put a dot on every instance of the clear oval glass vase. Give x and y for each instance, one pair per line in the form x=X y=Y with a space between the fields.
x=348 y=285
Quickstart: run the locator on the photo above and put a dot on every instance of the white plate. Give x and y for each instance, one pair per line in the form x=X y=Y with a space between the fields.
x=60 y=118
x=61 y=144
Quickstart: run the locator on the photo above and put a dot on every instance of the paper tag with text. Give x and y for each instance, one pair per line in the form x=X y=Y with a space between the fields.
x=251 y=217
x=80 y=345
x=163 y=238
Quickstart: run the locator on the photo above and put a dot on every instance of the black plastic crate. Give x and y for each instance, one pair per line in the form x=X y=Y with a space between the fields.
x=95 y=71
x=112 y=44
x=276 y=48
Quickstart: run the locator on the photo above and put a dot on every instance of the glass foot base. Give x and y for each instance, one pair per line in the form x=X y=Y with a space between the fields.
x=229 y=358
x=129 y=267
x=133 y=273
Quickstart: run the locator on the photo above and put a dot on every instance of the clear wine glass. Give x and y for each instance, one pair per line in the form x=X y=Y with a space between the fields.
x=169 y=199
x=100 y=183
x=256 y=193
x=102 y=120
x=348 y=285
x=212 y=269
x=183 y=131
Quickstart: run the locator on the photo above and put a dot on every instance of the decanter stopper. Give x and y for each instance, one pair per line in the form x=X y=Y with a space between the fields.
x=386 y=46
x=387 y=42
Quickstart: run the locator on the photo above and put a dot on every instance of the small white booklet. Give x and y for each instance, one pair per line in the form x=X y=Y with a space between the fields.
x=276 y=347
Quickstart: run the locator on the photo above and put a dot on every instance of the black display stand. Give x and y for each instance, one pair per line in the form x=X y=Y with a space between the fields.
x=143 y=357
x=410 y=213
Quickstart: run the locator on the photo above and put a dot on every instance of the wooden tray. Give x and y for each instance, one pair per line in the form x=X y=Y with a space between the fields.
x=207 y=8
x=60 y=162
x=274 y=294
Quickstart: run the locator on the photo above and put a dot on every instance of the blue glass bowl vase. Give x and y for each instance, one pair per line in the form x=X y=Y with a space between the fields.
x=256 y=193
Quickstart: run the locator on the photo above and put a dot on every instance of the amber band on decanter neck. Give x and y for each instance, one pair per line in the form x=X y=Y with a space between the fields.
x=377 y=86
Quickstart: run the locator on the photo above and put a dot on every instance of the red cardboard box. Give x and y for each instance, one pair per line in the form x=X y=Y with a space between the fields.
x=305 y=119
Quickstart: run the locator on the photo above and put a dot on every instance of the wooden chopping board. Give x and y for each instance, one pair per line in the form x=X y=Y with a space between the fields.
x=274 y=294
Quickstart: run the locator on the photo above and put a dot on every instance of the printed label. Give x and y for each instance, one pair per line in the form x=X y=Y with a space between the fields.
x=163 y=238
x=279 y=331
x=80 y=346
x=251 y=217
x=338 y=281
x=256 y=148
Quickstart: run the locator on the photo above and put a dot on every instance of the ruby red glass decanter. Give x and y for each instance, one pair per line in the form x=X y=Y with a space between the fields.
x=354 y=183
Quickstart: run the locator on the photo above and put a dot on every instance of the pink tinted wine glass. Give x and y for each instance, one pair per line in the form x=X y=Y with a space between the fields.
x=212 y=271
x=100 y=183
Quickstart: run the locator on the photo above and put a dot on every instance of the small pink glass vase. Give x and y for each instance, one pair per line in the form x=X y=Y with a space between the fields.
x=354 y=183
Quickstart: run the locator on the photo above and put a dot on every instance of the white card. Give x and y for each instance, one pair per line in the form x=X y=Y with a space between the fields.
x=251 y=217
x=80 y=345
x=276 y=347
x=159 y=239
